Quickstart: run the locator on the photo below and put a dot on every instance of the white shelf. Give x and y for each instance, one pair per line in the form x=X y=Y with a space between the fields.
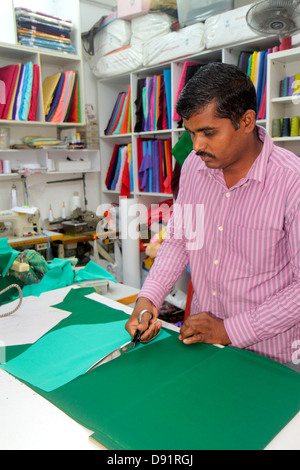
x=286 y=139
x=293 y=99
x=280 y=65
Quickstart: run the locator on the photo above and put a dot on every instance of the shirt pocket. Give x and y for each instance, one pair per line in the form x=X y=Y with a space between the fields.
x=254 y=250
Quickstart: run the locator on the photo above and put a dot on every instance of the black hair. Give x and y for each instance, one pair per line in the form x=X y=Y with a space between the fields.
x=225 y=84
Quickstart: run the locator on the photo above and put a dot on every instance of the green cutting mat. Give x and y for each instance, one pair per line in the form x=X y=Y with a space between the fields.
x=170 y=396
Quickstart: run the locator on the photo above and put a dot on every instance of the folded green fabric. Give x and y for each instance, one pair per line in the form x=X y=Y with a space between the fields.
x=92 y=272
x=183 y=148
x=60 y=274
x=7 y=256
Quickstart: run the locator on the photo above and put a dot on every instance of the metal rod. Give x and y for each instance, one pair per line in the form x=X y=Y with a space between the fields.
x=65 y=181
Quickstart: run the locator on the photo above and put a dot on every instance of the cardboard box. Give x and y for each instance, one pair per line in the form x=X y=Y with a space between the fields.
x=128 y=9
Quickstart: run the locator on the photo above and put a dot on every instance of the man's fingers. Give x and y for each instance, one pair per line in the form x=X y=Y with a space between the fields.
x=151 y=332
x=194 y=339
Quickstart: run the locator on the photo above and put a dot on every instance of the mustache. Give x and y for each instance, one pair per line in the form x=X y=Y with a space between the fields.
x=200 y=153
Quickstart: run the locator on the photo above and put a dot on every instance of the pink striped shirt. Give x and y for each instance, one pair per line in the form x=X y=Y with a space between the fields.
x=248 y=270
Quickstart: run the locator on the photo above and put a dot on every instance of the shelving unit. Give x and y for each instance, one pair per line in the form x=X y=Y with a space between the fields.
x=108 y=90
x=50 y=63
x=281 y=64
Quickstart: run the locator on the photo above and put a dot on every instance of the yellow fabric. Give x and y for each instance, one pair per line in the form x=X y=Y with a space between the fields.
x=49 y=86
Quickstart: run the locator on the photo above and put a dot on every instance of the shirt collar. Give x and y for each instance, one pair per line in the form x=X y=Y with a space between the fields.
x=259 y=167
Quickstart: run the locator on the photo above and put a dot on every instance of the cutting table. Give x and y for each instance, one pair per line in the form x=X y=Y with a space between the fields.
x=28 y=421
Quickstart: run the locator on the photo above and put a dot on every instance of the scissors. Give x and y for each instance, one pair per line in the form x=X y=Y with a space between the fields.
x=133 y=343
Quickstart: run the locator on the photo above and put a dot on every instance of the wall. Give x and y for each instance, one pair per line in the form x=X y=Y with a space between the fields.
x=41 y=194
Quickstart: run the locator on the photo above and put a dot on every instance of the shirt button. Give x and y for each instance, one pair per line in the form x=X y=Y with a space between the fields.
x=227 y=194
x=216 y=261
x=220 y=228
x=214 y=293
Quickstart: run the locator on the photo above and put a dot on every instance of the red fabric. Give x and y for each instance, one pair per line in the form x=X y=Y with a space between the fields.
x=73 y=115
x=8 y=75
x=34 y=93
x=125 y=185
x=110 y=168
x=190 y=294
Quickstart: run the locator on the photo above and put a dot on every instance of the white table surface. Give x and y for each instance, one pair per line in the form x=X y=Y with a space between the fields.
x=30 y=422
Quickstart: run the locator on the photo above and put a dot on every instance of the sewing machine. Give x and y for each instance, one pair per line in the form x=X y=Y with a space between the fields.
x=21 y=224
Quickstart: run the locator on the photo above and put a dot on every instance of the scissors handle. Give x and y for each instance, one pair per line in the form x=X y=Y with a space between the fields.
x=137 y=335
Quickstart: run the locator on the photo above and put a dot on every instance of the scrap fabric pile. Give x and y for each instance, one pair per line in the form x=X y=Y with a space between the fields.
x=41 y=30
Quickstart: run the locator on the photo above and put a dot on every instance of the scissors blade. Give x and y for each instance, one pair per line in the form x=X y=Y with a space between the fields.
x=113 y=355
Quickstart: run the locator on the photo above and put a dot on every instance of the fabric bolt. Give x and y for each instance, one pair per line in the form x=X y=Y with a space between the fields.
x=181 y=85
x=68 y=96
x=112 y=167
x=27 y=93
x=13 y=97
x=246 y=268
x=56 y=97
x=35 y=91
x=124 y=155
x=14 y=116
x=72 y=95
x=58 y=111
x=74 y=114
x=49 y=86
x=8 y=76
x=19 y=94
x=26 y=79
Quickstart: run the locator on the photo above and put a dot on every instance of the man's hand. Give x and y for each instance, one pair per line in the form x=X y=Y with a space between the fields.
x=150 y=327
x=204 y=328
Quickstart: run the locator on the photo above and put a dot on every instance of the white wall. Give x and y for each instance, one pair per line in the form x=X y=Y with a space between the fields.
x=41 y=194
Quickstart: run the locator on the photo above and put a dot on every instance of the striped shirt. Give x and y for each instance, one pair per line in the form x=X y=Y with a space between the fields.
x=245 y=265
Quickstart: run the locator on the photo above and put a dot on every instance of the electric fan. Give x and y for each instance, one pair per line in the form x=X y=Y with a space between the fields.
x=275 y=17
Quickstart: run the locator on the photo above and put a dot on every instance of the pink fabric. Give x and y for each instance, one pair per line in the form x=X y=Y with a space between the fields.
x=176 y=116
x=248 y=270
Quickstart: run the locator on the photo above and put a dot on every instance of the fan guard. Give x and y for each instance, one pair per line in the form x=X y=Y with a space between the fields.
x=271 y=17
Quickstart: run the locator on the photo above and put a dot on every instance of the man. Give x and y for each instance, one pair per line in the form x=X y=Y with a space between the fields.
x=246 y=273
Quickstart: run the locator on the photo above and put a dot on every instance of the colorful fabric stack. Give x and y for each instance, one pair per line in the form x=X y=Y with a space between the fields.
x=41 y=30
x=120 y=120
x=154 y=103
x=61 y=95
x=19 y=87
x=120 y=172
x=155 y=165
x=254 y=64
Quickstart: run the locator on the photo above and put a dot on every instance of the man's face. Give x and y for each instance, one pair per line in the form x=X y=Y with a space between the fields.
x=215 y=140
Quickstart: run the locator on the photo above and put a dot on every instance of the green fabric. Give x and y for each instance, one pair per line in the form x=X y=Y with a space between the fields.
x=7 y=256
x=91 y=272
x=60 y=274
x=66 y=353
x=183 y=148
x=172 y=396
